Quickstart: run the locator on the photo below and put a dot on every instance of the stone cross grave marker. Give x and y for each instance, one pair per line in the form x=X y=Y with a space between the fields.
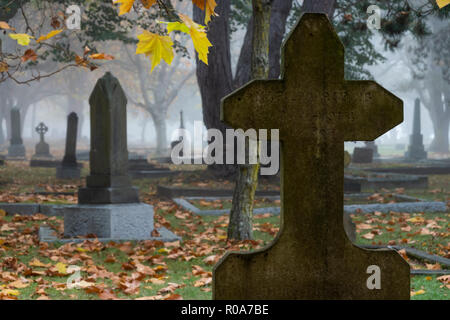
x=69 y=168
x=16 y=148
x=42 y=148
x=109 y=181
x=316 y=110
x=416 y=150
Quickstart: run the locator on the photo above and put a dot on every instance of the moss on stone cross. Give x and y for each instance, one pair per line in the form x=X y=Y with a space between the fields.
x=316 y=110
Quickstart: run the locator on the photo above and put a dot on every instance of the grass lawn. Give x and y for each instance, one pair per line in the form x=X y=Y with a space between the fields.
x=154 y=270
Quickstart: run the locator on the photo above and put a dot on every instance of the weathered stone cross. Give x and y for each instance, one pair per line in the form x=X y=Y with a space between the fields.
x=316 y=110
x=42 y=129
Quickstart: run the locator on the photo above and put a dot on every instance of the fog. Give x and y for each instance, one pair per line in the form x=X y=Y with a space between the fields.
x=394 y=74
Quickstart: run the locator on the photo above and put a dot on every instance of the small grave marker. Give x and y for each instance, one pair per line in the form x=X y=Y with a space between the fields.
x=416 y=150
x=316 y=110
x=16 y=149
x=69 y=168
x=42 y=148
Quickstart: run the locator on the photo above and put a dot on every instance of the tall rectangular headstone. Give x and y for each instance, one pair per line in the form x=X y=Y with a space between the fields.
x=16 y=149
x=416 y=150
x=69 y=168
x=109 y=206
x=316 y=110
x=109 y=181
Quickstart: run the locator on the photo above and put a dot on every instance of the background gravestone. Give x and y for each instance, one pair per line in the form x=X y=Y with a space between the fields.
x=109 y=181
x=316 y=110
x=42 y=148
x=109 y=206
x=374 y=147
x=416 y=150
x=16 y=149
x=69 y=168
x=362 y=155
x=180 y=138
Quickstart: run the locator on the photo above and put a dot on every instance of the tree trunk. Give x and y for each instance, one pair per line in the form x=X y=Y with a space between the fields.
x=161 y=134
x=144 y=127
x=241 y=225
x=2 y=135
x=440 y=141
x=215 y=79
x=278 y=18
x=438 y=109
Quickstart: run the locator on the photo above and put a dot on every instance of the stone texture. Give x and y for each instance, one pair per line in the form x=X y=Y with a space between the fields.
x=42 y=148
x=47 y=234
x=397 y=207
x=115 y=221
x=316 y=110
x=362 y=155
x=416 y=150
x=69 y=168
x=16 y=149
x=20 y=208
x=218 y=212
x=108 y=181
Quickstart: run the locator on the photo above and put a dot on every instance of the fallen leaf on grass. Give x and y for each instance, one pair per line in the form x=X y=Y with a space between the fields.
x=174 y=297
x=435 y=266
x=36 y=263
x=444 y=279
x=368 y=236
x=415 y=293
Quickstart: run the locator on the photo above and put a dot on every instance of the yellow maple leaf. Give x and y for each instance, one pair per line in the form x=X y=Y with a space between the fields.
x=156 y=47
x=61 y=267
x=197 y=33
x=49 y=35
x=208 y=6
x=415 y=293
x=148 y=3
x=22 y=38
x=442 y=3
x=10 y=292
x=125 y=6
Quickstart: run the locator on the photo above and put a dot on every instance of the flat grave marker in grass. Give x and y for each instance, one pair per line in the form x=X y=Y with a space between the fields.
x=316 y=110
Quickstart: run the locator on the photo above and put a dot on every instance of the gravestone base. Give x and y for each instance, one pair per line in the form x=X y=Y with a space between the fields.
x=42 y=157
x=16 y=152
x=68 y=172
x=113 y=221
x=113 y=195
x=415 y=153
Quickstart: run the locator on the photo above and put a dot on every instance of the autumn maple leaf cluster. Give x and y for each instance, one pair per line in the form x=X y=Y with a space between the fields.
x=160 y=47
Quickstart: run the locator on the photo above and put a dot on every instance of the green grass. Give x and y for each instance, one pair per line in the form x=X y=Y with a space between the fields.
x=203 y=236
x=388 y=229
x=433 y=289
x=226 y=203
